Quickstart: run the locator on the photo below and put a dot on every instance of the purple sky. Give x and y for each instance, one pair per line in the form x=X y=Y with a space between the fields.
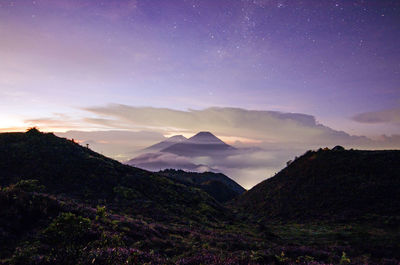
x=330 y=59
x=285 y=76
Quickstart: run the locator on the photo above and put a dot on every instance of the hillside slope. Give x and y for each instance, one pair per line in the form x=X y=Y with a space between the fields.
x=219 y=186
x=67 y=168
x=329 y=185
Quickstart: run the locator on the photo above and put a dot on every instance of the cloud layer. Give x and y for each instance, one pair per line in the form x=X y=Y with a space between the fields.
x=270 y=127
x=120 y=145
x=267 y=139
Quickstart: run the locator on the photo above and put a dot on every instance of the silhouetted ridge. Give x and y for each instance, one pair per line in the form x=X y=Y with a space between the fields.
x=65 y=167
x=219 y=186
x=330 y=184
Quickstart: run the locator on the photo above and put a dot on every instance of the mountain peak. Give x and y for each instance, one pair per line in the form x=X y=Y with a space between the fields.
x=166 y=143
x=205 y=137
x=177 y=138
x=205 y=133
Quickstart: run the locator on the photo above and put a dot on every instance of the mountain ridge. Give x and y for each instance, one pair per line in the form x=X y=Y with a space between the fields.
x=65 y=167
x=328 y=184
x=217 y=185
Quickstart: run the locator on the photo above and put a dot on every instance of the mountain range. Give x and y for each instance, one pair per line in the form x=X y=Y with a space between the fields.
x=201 y=144
x=62 y=203
x=332 y=184
x=179 y=152
x=177 y=148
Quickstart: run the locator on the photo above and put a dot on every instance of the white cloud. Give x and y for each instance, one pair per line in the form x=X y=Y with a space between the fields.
x=277 y=137
x=265 y=126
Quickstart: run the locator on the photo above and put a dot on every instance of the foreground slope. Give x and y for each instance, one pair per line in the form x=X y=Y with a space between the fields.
x=333 y=184
x=69 y=169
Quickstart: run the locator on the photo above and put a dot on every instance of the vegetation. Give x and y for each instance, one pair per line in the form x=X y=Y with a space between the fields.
x=68 y=169
x=61 y=203
x=217 y=185
x=330 y=185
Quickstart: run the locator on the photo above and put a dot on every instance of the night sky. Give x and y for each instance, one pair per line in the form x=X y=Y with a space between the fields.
x=331 y=59
x=61 y=61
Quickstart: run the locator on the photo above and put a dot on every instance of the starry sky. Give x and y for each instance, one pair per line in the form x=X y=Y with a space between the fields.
x=331 y=59
x=274 y=73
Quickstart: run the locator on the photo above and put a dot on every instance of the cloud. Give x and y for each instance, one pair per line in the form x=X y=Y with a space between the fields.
x=159 y=161
x=59 y=121
x=386 y=142
x=120 y=145
x=266 y=126
x=383 y=116
x=248 y=167
x=276 y=137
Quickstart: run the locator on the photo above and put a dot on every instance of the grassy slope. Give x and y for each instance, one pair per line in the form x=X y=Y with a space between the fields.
x=65 y=167
x=219 y=186
x=330 y=185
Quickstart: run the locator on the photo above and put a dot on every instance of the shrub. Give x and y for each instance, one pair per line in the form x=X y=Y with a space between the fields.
x=29 y=185
x=68 y=229
x=344 y=259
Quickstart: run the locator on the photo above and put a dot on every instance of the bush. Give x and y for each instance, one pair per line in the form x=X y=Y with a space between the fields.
x=29 y=185
x=68 y=229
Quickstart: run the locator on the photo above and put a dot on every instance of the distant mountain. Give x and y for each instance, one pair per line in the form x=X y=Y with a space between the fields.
x=205 y=138
x=165 y=144
x=201 y=144
x=179 y=153
x=219 y=186
x=328 y=184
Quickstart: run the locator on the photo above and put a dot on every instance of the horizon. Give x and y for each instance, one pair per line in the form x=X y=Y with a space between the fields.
x=245 y=154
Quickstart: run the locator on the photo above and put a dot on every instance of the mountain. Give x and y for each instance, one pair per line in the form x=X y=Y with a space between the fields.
x=66 y=168
x=180 y=153
x=219 y=186
x=328 y=184
x=205 y=138
x=165 y=144
x=201 y=144
x=61 y=203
